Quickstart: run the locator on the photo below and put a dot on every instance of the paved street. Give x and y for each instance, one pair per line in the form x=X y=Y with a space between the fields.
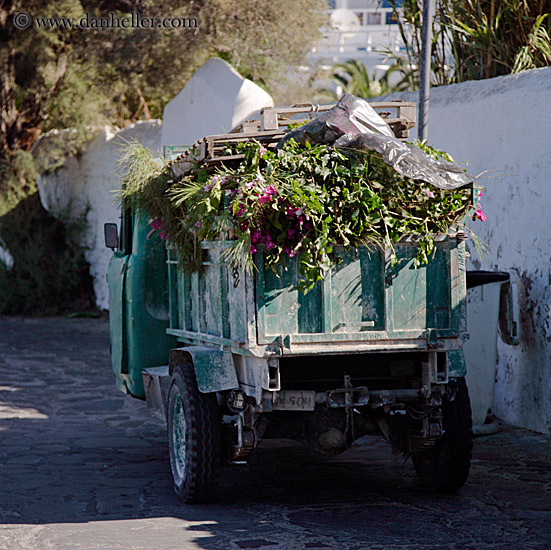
x=84 y=467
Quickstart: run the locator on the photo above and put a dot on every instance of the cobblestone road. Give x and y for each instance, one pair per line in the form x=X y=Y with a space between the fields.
x=84 y=467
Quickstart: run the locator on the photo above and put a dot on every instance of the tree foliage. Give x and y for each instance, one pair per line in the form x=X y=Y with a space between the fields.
x=476 y=39
x=59 y=77
x=354 y=78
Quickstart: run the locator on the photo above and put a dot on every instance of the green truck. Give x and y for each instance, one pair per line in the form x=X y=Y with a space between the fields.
x=230 y=358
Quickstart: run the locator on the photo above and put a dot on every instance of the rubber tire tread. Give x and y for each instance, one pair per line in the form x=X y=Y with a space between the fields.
x=203 y=437
x=445 y=467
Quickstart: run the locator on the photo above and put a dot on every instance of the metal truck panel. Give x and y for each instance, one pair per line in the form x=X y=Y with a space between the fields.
x=364 y=304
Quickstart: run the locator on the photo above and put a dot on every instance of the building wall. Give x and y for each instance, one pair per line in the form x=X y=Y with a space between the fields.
x=502 y=125
x=90 y=183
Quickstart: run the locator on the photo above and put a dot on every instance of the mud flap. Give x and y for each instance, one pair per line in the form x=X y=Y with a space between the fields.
x=214 y=369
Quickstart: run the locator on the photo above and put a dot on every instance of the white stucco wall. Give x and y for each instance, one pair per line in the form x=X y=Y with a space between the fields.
x=503 y=124
x=90 y=181
x=215 y=100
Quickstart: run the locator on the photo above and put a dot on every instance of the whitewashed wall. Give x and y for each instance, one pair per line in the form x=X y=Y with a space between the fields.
x=90 y=181
x=214 y=101
x=503 y=124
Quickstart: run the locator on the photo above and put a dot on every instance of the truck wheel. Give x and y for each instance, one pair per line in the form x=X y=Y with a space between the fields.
x=445 y=467
x=193 y=437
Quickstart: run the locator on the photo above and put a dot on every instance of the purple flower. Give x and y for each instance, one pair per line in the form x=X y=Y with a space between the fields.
x=262 y=151
x=198 y=223
x=164 y=236
x=270 y=190
x=263 y=199
x=240 y=212
x=253 y=248
x=208 y=187
x=156 y=223
x=255 y=236
x=290 y=233
x=250 y=185
x=269 y=245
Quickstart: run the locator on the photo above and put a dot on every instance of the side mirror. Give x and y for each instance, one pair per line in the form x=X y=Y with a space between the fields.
x=111 y=235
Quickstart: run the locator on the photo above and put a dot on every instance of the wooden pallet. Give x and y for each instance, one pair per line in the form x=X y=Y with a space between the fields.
x=272 y=125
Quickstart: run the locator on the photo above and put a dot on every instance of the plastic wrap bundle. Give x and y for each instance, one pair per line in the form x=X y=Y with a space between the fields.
x=354 y=123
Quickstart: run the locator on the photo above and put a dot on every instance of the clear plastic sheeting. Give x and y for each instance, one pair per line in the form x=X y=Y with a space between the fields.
x=410 y=161
x=354 y=123
x=351 y=116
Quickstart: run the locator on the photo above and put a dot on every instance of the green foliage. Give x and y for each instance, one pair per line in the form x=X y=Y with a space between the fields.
x=294 y=202
x=73 y=78
x=17 y=179
x=49 y=274
x=354 y=79
x=486 y=38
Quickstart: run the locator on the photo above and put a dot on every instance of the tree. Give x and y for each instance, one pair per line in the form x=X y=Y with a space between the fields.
x=59 y=77
x=354 y=78
x=476 y=39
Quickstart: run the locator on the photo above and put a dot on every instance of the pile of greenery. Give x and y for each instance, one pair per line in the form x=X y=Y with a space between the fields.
x=292 y=202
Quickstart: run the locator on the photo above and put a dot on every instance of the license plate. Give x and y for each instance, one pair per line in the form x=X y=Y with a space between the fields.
x=294 y=400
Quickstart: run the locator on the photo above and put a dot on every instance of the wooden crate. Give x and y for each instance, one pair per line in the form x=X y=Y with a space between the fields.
x=273 y=124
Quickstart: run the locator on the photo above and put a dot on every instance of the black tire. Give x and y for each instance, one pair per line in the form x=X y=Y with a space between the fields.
x=445 y=467
x=194 y=437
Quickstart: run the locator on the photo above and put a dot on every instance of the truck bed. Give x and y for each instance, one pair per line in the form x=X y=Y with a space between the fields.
x=364 y=303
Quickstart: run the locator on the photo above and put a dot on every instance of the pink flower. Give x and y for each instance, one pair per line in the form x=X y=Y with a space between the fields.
x=289 y=251
x=480 y=193
x=208 y=187
x=262 y=151
x=263 y=199
x=255 y=236
x=164 y=236
x=253 y=248
x=250 y=185
x=429 y=194
x=270 y=190
x=479 y=215
x=198 y=223
x=269 y=245
x=260 y=179
x=156 y=223
x=290 y=233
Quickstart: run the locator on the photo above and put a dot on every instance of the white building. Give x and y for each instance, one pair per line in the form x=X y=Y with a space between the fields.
x=362 y=30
